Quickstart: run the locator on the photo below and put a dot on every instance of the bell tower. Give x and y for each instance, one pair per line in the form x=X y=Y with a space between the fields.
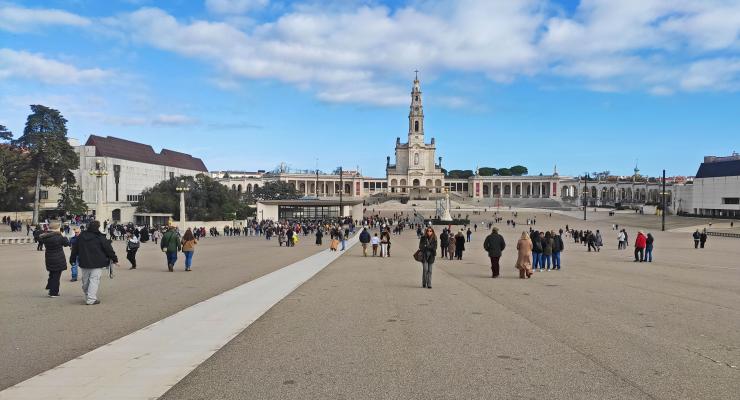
x=416 y=114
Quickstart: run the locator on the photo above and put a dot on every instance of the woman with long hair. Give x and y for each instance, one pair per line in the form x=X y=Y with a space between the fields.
x=428 y=248
x=188 y=247
x=524 y=260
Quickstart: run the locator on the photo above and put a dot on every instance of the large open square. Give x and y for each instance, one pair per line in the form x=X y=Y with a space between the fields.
x=601 y=327
x=369 y=199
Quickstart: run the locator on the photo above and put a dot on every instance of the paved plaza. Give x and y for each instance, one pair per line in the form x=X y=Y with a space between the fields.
x=602 y=327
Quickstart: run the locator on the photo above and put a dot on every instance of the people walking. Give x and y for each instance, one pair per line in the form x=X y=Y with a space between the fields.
x=94 y=252
x=375 y=242
x=364 y=240
x=459 y=245
x=640 y=243
x=75 y=266
x=558 y=245
x=319 y=236
x=494 y=245
x=536 y=251
x=188 y=248
x=385 y=239
x=132 y=246
x=444 y=242
x=170 y=245
x=428 y=248
x=649 y=242
x=524 y=257
x=55 y=261
x=703 y=239
x=546 y=250
x=696 y=236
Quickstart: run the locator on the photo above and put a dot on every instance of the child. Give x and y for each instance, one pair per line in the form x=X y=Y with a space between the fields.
x=375 y=241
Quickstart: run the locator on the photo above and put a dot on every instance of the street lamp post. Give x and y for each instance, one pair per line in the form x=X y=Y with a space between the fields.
x=585 y=194
x=99 y=171
x=182 y=188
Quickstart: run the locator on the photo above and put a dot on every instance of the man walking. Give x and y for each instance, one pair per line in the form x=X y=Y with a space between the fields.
x=364 y=239
x=170 y=245
x=697 y=236
x=494 y=245
x=93 y=252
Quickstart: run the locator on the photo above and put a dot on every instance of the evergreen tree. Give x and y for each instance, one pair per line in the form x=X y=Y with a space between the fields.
x=50 y=155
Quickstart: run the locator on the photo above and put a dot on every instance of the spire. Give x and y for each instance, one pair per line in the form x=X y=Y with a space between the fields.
x=416 y=113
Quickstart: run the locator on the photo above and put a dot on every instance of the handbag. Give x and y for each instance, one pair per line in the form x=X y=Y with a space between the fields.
x=419 y=256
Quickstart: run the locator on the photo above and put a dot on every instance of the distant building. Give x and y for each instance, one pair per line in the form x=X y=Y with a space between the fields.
x=131 y=167
x=715 y=191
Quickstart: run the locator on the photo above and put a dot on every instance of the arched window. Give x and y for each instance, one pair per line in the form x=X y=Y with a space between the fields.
x=416 y=126
x=416 y=158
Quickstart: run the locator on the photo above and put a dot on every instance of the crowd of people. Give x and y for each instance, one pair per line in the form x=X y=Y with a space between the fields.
x=92 y=251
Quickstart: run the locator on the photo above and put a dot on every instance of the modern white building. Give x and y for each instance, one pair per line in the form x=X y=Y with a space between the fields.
x=130 y=167
x=715 y=191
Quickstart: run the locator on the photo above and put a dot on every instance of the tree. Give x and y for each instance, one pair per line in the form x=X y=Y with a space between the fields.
x=50 y=155
x=460 y=174
x=487 y=171
x=14 y=174
x=275 y=191
x=519 y=170
x=70 y=199
x=504 y=172
x=206 y=200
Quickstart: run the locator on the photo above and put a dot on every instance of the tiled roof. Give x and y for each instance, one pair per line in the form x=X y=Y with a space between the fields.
x=132 y=151
x=719 y=169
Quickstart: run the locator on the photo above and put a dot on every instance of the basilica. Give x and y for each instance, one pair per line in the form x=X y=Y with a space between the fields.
x=416 y=170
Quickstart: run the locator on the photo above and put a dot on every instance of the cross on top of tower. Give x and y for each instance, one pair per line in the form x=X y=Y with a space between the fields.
x=416 y=73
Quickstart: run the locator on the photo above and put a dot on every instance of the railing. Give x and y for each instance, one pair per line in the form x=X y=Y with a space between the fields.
x=724 y=234
x=16 y=240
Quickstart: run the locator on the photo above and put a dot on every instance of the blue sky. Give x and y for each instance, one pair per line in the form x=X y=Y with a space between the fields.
x=588 y=85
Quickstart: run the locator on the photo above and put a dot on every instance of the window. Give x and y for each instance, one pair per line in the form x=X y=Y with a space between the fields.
x=43 y=195
x=307 y=212
x=172 y=175
x=416 y=158
x=416 y=98
x=134 y=198
x=416 y=126
x=731 y=200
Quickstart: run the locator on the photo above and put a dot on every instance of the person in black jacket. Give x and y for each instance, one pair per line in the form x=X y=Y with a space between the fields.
x=557 y=247
x=495 y=246
x=536 y=251
x=444 y=242
x=54 y=257
x=93 y=252
x=428 y=248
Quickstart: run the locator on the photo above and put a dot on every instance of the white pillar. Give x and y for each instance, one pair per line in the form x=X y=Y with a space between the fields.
x=182 y=209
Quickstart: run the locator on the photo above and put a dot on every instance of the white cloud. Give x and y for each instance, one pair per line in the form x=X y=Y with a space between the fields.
x=19 y=19
x=234 y=6
x=25 y=65
x=352 y=52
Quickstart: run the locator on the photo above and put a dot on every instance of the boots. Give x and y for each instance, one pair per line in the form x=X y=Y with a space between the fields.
x=521 y=274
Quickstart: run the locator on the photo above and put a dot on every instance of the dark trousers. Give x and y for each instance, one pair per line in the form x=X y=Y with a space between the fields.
x=53 y=283
x=458 y=254
x=40 y=246
x=639 y=254
x=495 y=266
x=701 y=244
x=444 y=251
x=131 y=256
x=696 y=244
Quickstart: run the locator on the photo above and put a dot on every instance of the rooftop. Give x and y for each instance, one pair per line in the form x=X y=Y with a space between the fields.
x=114 y=147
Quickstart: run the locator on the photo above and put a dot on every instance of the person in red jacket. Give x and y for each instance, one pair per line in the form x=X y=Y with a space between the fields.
x=640 y=244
